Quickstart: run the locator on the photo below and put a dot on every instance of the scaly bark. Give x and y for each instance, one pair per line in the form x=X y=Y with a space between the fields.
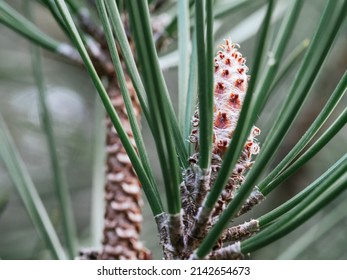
x=123 y=216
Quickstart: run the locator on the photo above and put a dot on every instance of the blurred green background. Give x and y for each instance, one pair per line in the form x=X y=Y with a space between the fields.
x=72 y=100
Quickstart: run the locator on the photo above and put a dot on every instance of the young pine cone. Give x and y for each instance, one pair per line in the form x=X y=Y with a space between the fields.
x=230 y=86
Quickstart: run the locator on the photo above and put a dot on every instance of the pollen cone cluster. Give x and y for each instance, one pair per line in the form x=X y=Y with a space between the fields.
x=230 y=86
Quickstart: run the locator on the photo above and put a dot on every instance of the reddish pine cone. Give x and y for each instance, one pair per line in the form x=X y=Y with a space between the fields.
x=230 y=86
